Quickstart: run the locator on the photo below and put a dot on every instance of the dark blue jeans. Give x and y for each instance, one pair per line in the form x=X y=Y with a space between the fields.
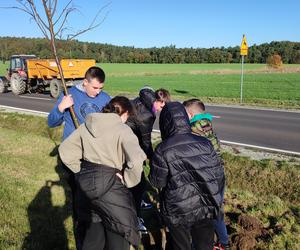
x=221 y=230
x=220 y=227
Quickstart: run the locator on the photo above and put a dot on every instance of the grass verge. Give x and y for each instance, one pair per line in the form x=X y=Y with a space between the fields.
x=261 y=201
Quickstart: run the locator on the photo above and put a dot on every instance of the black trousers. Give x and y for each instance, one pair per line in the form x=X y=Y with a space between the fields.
x=98 y=238
x=101 y=195
x=138 y=192
x=201 y=234
x=70 y=178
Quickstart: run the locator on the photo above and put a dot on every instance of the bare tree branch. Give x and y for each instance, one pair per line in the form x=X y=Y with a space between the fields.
x=25 y=9
x=36 y=14
x=54 y=8
x=92 y=24
x=47 y=27
x=98 y=13
x=66 y=9
x=29 y=7
x=63 y=22
x=18 y=8
x=31 y=10
x=60 y=34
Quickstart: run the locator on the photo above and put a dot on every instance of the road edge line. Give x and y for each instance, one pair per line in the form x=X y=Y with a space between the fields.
x=25 y=111
x=252 y=146
x=29 y=111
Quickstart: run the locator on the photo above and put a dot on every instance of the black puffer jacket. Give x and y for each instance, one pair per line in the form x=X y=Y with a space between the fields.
x=187 y=169
x=142 y=124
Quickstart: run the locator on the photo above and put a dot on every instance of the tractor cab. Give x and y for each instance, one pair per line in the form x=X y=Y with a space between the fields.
x=18 y=64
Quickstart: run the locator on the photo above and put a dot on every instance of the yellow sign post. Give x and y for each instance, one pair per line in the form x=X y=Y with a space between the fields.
x=243 y=53
x=244 y=47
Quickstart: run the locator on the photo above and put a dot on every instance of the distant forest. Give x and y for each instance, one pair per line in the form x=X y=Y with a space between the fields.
x=107 y=53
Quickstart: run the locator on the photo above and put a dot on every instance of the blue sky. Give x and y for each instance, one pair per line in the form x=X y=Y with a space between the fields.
x=183 y=23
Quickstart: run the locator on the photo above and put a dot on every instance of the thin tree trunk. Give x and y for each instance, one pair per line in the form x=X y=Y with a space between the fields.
x=53 y=46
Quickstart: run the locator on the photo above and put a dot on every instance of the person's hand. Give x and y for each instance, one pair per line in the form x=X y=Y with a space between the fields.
x=66 y=102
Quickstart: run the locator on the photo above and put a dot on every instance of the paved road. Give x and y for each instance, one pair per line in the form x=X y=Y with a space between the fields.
x=266 y=128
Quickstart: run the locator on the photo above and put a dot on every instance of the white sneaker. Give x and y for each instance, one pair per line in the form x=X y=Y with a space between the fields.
x=141 y=226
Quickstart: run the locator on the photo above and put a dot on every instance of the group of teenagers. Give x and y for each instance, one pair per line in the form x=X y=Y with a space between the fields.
x=105 y=158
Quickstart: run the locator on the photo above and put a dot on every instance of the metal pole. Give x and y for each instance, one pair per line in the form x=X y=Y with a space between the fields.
x=242 y=79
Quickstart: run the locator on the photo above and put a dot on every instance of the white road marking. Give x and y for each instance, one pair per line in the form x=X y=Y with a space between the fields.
x=37 y=98
x=211 y=105
x=260 y=147
x=24 y=110
x=252 y=146
x=157 y=131
x=252 y=108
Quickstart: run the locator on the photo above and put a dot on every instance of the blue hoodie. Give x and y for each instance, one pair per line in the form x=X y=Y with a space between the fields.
x=83 y=105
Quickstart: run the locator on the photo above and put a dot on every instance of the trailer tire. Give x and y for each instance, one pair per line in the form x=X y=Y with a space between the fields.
x=3 y=86
x=18 y=86
x=55 y=88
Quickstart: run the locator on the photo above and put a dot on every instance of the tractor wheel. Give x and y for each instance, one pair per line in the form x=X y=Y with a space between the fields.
x=18 y=86
x=55 y=88
x=3 y=87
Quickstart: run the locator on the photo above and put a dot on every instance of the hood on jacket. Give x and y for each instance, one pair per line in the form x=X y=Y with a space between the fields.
x=80 y=87
x=173 y=120
x=97 y=123
x=147 y=97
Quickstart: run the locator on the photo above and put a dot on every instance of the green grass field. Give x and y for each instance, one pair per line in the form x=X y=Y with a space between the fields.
x=262 y=199
x=124 y=69
x=218 y=83
x=214 y=83
x=169 y=69
x=256 y=86
x=116 y=69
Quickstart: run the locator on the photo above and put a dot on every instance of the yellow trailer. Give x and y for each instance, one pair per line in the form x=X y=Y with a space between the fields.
x=28 y=73
x=47 y=69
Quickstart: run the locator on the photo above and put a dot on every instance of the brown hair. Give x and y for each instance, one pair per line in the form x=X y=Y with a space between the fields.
x=119 y=105
x=162 y=95
x=194 y=102
x=95 y=72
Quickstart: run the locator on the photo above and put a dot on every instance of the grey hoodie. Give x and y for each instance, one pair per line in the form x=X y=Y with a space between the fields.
x=104 y=139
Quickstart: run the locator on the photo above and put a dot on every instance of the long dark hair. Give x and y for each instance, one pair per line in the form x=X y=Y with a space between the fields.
x=119 y=105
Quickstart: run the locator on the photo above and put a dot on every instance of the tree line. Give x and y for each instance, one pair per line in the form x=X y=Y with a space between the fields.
x=107 y=53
